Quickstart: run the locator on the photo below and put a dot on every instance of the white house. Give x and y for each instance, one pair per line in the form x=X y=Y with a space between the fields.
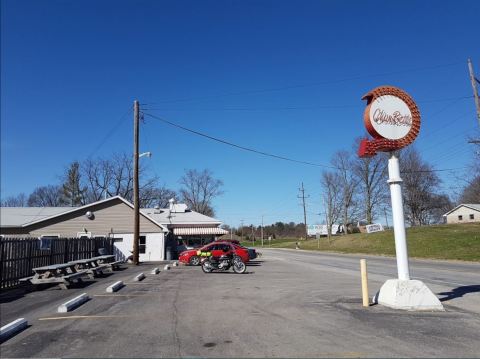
x=463 y=213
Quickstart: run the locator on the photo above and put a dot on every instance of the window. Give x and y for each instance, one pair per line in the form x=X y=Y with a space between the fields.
x=472 y=216
x=84 y=234
x=46 y=242
x=117 y=240
x=142 y=245
x=460 y=217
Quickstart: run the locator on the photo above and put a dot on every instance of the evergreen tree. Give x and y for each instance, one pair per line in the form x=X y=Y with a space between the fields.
x=72 y=192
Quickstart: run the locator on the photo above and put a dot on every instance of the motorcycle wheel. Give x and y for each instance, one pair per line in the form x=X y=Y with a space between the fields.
x=207 y=266
x=239 y=267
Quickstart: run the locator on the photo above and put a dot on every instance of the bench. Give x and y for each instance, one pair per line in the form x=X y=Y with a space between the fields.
x=96 y=271
x=26 y=279
x=114 y=265
x=63 y=281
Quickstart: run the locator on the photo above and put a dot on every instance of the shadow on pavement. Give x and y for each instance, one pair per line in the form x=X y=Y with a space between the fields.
x=459 y=292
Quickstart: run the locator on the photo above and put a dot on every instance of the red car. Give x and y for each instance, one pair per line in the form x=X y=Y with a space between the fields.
x=216 y=248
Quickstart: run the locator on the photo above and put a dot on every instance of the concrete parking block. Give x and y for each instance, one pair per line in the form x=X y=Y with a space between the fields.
x=13 y=328
x=139 y=277
x=155 y=270
x=73 y=303
x=115 y=286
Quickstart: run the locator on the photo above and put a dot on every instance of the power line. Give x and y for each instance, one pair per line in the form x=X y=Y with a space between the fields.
x=314 y=84
x=297 y=108
x=110 y=132
x=238 y=146
x=270 y=154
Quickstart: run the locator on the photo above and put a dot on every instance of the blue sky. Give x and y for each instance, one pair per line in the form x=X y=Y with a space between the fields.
x=284 y=77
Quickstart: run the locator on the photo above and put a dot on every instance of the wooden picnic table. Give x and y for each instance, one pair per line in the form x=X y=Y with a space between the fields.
x=62 y=274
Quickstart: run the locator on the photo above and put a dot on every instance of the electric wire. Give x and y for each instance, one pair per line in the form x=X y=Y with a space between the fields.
x=110 y=133
x=314 y=84
x=228 y=143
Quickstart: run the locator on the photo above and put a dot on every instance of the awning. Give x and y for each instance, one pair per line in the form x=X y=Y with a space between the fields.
x=198 y=230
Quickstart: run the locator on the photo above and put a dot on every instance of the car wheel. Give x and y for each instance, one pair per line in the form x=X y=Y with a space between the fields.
x=194 y=261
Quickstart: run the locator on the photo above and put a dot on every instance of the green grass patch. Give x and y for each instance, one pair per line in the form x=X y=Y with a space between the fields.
x=448 y=241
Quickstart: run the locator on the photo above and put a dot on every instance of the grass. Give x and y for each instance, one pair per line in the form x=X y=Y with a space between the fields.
x=448 y=241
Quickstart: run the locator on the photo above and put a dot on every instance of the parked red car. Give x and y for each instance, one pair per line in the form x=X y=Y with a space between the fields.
x=216 y=249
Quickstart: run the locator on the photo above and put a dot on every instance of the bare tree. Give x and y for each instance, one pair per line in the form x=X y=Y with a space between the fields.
x=114 y=177
x=471 y=192
x=333 y=198
x=420 y=188
x=46 y=196
x=343 y=162
x=199 y=189
x=19 y=200
x=151 y=196
x=371 y=174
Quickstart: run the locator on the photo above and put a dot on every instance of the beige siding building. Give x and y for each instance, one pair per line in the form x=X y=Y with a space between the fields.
x=163 y=232
x=112 y=217
x=463 y=213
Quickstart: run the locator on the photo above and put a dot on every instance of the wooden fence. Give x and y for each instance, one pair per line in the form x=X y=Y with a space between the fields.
x=19 y=255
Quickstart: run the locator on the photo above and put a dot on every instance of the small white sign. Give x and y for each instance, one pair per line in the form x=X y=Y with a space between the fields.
x=376 y=227
x=321 y=229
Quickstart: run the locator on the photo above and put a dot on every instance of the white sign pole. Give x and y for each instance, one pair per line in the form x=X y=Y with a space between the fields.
x=398 y=218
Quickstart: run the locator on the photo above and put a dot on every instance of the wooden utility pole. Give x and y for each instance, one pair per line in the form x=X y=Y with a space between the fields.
x=241 y=238
x=261 y=231
x=136 y=204
x=327 y=216
x=302 y=196
x=474 y=81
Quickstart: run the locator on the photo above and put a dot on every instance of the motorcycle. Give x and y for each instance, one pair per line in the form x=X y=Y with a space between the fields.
x=223 y=263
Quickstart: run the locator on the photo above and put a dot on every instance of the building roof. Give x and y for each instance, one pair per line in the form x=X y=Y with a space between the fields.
x=26 y=216
x=166 y=217
x=473 y=206
x=19 y=216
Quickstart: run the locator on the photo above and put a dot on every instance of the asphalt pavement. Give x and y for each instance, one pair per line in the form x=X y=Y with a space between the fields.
x=289 y=304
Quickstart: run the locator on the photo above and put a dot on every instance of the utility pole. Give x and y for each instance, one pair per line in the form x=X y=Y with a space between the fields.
x=136 y=205
x=327 y=210
x=261 y=231
x=385 y=212
x=253 y=236
x=474 y=81
x=302 y=196
x=242 y=230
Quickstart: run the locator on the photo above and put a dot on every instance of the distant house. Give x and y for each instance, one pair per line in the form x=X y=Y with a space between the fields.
x=161 y=230
x=463 y=213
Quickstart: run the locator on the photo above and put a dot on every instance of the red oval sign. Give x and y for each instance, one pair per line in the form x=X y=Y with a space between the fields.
x=392 y=118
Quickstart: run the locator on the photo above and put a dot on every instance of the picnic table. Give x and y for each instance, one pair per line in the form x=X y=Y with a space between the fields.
x=62 y=274
x=96 y=265
x=65 y=274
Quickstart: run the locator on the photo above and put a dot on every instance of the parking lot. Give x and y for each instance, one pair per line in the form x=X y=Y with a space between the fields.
x=289 y=304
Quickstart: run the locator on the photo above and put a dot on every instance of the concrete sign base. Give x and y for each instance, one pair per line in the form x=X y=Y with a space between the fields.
x=407 y=295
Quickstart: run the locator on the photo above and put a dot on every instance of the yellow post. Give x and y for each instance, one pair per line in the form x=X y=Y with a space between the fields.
x=363 y=270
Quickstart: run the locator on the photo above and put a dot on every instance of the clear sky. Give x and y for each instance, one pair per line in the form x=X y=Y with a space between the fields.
x=284 y=77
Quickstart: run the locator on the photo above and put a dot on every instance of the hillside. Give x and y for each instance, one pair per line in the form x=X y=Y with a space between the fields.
x=455 y=241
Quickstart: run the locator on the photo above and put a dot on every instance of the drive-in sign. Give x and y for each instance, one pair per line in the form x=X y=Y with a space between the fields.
x=392 y=118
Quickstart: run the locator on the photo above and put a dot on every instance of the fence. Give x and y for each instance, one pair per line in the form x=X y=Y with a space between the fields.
x=19 y=255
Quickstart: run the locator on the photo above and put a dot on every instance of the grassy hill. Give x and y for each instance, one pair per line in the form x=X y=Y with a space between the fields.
x=452 y=241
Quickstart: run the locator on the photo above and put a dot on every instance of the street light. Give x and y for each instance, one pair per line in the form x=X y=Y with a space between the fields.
x=148 y=154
